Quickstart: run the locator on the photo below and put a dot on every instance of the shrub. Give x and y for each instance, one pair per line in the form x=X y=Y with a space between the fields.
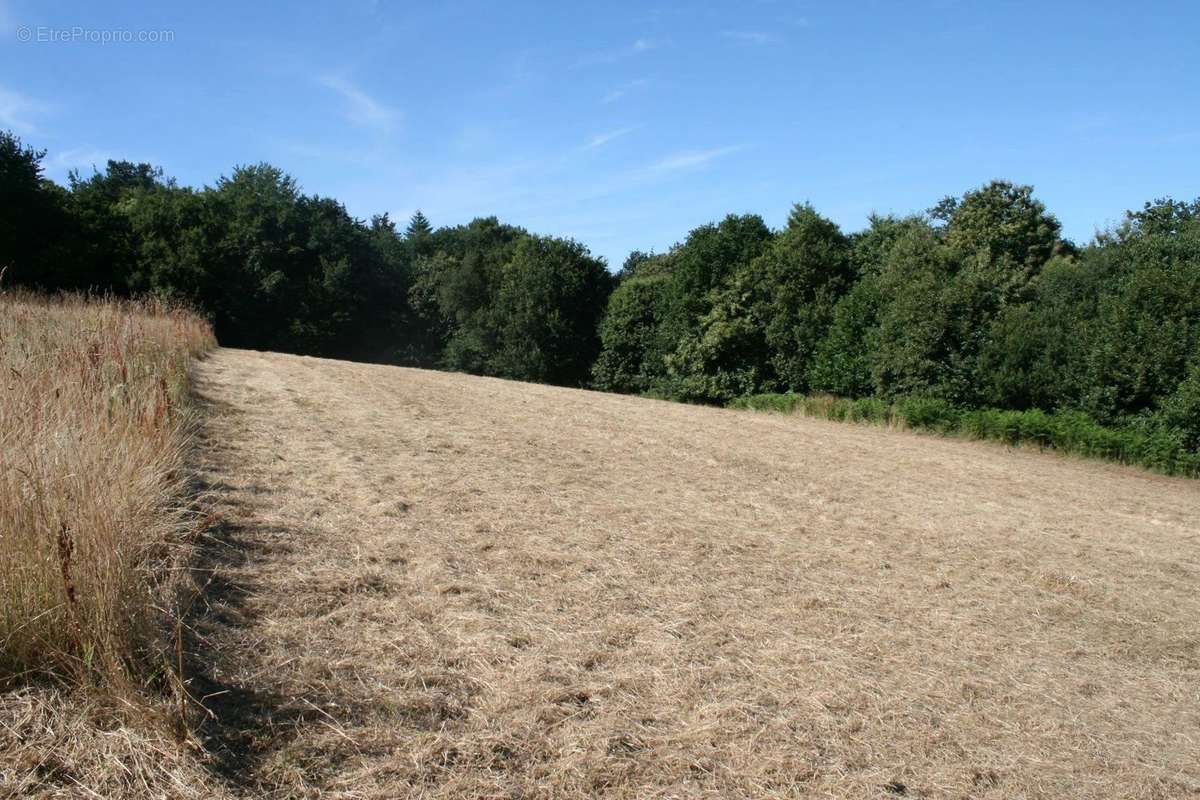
x=929 y=413
x=871 y=409
x=782 y=403
x=1182 y=409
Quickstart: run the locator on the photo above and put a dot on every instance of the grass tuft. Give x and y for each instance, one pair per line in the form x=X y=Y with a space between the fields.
x=93 y=424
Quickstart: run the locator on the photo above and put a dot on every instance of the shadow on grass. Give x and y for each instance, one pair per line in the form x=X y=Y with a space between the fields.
x=237 y=714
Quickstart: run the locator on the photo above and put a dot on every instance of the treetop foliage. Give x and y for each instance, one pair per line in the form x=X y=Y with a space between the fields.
x=978 y=302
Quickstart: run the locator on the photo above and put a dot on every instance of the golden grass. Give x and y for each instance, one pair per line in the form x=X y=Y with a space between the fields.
x=443 y=586
x=94 y=421
x=91 y=439
x=56 y=743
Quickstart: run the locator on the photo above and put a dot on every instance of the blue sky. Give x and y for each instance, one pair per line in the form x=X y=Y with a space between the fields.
x=624 y=125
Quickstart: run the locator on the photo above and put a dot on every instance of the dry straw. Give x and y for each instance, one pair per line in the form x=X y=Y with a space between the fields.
x=93 y=426
x=458 y=587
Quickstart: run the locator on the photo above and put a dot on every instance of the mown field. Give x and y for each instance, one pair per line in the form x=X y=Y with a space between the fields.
x=445 y=586
x=404 y=583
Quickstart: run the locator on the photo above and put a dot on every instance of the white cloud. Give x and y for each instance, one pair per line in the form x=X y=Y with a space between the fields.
x=616 y=94
x=613 y=56
x=361 y=108
x=87 y=159
x=690 y=159
x=749 y=37
x=84 y=159
x=604 y=138
x=18 y=112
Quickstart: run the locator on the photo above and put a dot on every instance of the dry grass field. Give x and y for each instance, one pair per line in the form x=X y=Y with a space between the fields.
x=91 y=439
x=94 y=422
x=432 y=585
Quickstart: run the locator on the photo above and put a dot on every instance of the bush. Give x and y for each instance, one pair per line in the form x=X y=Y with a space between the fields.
x=871 y=409
x=782 y=403
x=929 y=413
x=1182 y=410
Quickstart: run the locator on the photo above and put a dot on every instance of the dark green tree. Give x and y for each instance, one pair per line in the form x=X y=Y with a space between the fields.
x=764 y=323
x=454 y=289
x=1161 y=217
x=546 y=315
x=633 y=262
x=175 y=234
x=797 y=282
x=1036 y=354
x=633 y=350
x=418 y=236
x=1005 y=220
x=709 y=256
x=38 y=237
x=699 y=268
x=1181 y=410
x=1147 y=323
x=915 y=343
x=107 y=251
x=843 y=360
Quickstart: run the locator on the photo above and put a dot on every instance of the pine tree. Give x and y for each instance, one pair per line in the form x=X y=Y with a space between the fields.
x=419 y=234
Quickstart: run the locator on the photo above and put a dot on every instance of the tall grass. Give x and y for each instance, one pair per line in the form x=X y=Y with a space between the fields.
x=93 y=424
x=1066 y=431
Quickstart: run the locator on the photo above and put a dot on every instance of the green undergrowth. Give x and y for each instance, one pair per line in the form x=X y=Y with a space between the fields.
x=1073 y=432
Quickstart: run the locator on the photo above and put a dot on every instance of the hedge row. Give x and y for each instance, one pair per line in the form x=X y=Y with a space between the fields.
x=1065 y=431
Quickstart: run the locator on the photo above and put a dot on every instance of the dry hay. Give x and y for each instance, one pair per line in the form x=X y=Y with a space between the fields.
x=63 y=744
x=434 y=585
x=93 y=545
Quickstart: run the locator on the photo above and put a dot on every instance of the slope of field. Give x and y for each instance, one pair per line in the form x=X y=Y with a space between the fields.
x=434 y=585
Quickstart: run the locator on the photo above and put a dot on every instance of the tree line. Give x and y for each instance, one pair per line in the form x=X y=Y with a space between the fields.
x=978 y=302
x=278 y=269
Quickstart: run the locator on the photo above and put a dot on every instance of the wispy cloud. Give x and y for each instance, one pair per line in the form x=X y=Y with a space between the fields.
x=690 y=159
x=18 y=112
x=619 y=92
x=84 y=159
x=601 y=139
x=749 y=37
x=642 y=45
x=362 y=109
